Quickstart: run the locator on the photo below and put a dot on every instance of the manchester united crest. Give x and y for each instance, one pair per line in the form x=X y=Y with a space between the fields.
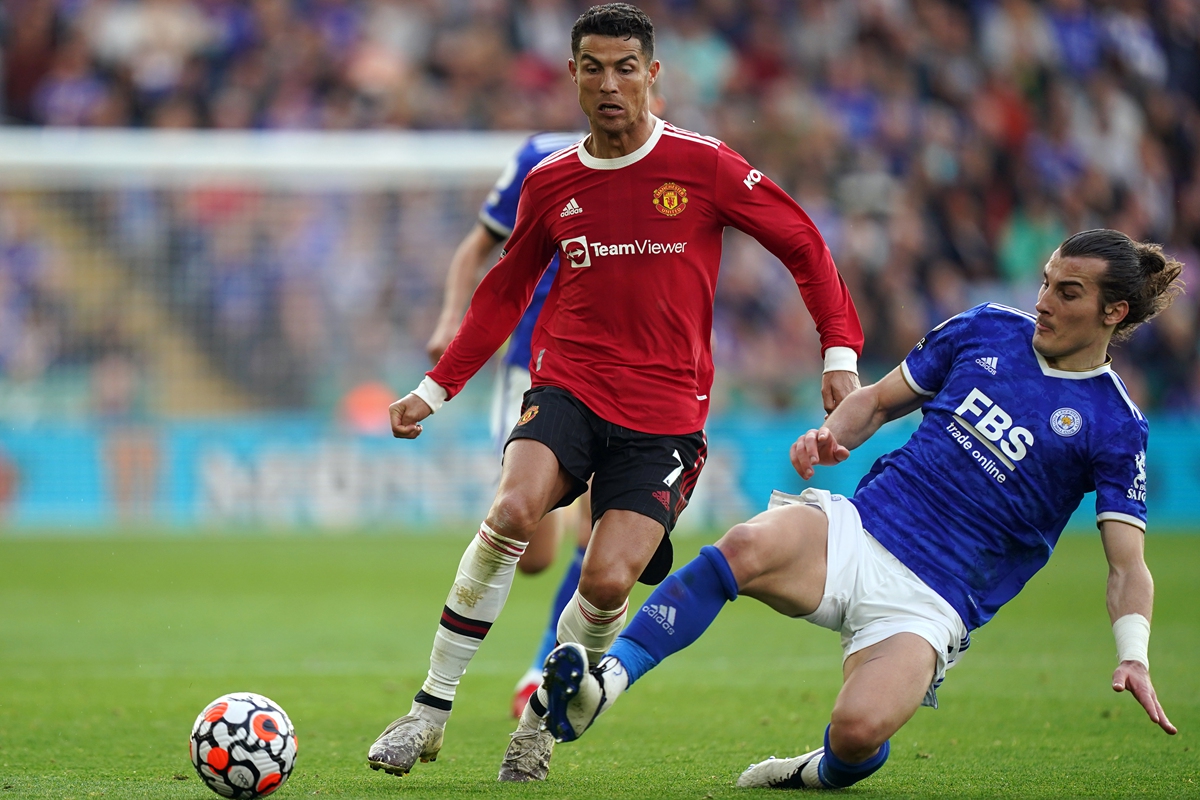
x=529 y=414
x=670 y=199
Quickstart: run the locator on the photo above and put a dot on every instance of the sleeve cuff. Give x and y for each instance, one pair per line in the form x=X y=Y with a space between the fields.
x=841 y=359
x=494 y=226
x=912 y=382
x=1128 y=519
x=433 y=394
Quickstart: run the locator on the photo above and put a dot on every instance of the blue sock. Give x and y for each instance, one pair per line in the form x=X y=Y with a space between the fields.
x=566 y=590
x=676 y=613
x=837 y=774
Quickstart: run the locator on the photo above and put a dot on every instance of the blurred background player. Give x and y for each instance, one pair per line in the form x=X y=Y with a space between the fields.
x=495 y=223
x=1022 y=416
x=622 y=367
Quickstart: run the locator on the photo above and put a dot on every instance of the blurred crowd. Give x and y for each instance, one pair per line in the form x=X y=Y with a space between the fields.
x=943 y=147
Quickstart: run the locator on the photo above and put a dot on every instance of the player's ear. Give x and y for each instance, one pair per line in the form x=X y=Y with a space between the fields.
x=573 y=68
x=654 y=67
x=1115 y=312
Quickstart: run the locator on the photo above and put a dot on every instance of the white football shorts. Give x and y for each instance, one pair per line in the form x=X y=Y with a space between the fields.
x=512 y=382
x=871 y=596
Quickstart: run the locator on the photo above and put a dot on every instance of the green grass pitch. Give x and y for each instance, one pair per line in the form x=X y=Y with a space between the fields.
x=109 y=648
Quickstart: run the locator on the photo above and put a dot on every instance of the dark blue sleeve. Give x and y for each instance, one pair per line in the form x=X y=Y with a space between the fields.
x=1119 y=473
x=499 y=211
x=929 y=362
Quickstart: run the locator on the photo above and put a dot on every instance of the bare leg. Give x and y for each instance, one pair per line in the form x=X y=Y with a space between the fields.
x=539 y=555
x=778 y=558
x=531 y=483
x=884 y=686
x=584 y=532
x=620 y=548
x=543 y=545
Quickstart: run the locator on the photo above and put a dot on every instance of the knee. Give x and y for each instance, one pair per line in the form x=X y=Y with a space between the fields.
x=515 y=515
x=608 y=590
x=855 y=735
x=742 y=547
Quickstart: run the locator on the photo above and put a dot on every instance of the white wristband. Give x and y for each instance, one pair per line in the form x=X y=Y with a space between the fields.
x=841 y=359
x=1132 y=633
x=433 y=394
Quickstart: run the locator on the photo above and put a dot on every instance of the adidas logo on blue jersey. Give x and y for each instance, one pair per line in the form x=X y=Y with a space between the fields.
x=571 y=209
x=989 y=363
x=663 y=615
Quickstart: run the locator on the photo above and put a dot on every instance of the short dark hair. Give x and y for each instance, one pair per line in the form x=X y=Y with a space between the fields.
x=615 y=19
x=1139 y=273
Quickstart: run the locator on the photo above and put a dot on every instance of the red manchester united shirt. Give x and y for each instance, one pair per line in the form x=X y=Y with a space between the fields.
x=627 y=325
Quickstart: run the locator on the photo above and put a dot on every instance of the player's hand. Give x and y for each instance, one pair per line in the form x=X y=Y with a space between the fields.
x=1134 y=677
x=406 y=413
x=835 y=386
x=818 y=446
x=440 y=340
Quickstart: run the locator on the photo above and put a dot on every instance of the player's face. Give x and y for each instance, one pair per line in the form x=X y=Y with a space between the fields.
x=1073 y=327
x=614 y=81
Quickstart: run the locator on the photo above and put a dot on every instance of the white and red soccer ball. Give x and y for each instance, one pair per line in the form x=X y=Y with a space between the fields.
x=243 y=746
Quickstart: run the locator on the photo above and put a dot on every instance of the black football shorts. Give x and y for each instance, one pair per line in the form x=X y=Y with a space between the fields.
x=651 y=474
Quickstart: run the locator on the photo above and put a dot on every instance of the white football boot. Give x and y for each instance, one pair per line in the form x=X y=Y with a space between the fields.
x=577 y=694
x=403 y=742
x=784 y=773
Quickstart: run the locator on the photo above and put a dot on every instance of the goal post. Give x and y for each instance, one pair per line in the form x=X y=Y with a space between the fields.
x=318 y=161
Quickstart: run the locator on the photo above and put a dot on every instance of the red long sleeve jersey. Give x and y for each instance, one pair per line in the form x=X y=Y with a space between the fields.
x=627 y=325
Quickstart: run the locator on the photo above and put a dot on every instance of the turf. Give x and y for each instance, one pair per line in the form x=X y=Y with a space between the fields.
x=110 y=647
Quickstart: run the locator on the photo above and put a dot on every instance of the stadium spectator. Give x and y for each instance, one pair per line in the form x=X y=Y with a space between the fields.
x=1092 y=106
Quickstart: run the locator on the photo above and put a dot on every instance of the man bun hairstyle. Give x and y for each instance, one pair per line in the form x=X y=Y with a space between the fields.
x=1139 y=273
x=615 y=19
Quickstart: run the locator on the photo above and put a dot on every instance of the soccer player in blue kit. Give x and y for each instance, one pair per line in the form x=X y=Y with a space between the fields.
x=494 y=225
x=1022 y=415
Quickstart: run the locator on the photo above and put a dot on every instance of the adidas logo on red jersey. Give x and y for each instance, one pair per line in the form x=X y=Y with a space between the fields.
x=571 y=208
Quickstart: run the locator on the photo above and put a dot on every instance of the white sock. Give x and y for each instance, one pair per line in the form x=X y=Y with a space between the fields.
x=530 y=721
x=484 y=578
x=595 y=629
x=430 y=714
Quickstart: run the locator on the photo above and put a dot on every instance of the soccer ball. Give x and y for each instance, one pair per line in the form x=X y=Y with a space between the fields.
x=243 y=745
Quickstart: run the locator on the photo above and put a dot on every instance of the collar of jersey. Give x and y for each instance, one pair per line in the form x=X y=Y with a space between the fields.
x=1070 y=375
x=590 y=160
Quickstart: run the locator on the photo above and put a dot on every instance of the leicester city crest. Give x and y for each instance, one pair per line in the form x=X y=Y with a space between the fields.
x=1066 y=422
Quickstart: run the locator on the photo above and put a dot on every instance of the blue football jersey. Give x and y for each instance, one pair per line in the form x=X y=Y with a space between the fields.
x=499 y=215
x=975 y=501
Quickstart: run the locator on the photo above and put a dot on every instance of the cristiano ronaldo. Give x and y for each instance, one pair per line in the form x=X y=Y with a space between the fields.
x=621 y=366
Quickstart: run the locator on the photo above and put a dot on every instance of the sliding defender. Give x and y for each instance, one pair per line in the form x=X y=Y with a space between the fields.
x=1022 y=415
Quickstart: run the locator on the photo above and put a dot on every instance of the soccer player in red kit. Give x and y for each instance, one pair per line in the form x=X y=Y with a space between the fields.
x=621 y=366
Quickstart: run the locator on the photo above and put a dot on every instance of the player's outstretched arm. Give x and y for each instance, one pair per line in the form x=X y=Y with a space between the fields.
x=854 y=421
x=1130 y=604
x=461 y=279
x=406 y=414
